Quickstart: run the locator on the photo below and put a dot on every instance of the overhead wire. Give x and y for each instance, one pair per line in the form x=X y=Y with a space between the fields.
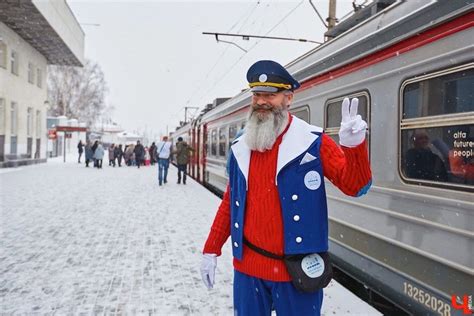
x=248 y=14
x=226 y=73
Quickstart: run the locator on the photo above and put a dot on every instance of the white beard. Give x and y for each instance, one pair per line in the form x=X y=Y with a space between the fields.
x=262 y=131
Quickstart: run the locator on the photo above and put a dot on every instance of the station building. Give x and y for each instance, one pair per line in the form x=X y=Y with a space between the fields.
x=33 y=35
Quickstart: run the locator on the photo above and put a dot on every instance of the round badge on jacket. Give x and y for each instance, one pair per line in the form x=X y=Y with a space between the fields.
x=313 y=265
x=312 y=180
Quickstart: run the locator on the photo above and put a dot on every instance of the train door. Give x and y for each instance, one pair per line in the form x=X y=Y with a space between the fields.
x=204 y=153
x=193 y=155
x=198 y=152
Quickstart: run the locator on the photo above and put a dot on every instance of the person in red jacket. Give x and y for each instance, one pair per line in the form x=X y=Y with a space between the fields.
x=275 y=203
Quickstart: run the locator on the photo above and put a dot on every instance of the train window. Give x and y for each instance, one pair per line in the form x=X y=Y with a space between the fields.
x=214 y=142
x=232 y=133
x=448 y=94
x=437 y=128
x=222 y=141
x=333 y=115
x=301 y=112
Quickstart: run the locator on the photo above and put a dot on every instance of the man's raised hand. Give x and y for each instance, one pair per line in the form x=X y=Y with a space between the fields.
x=353 y=127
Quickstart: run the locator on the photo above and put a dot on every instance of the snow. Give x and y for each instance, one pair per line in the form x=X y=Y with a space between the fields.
x=79 y=240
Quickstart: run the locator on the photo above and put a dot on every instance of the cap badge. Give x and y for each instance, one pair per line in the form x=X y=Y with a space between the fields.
x=263 y=78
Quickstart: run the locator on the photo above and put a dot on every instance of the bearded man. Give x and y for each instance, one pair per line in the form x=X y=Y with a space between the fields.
x=274 y=207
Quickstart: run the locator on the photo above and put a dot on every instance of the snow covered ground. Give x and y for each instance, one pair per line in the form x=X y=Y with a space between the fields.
x=78 y=240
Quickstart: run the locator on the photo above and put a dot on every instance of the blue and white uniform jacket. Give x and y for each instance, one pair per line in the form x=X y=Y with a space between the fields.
x=300 y=183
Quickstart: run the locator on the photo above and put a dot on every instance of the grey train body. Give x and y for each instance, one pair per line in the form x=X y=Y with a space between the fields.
x=410 y=239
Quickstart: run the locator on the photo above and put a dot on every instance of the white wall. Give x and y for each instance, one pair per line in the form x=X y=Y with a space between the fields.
x=18 y=89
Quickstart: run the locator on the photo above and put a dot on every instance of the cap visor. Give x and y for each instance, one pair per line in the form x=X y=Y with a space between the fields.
x=264 y=89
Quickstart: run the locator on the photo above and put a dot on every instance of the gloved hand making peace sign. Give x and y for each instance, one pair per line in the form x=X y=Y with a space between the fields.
x=353 y=127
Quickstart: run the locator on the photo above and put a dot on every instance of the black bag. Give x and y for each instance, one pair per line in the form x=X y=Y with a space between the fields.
x=309 y=272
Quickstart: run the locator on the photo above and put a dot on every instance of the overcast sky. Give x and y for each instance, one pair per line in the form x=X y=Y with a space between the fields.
x=156 y=60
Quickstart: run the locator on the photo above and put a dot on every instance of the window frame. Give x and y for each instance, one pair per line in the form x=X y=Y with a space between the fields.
x=223 y=131
x=301 y=109
x=213 y=153
x=13 y=118
x=31 y=73
x=38 y=126
x=4 y=57
x=230 y=138
x=15 y=62
x=431 y=121
x=39 y=77
x=29 y=121
x=3 y=116
x=335 y=130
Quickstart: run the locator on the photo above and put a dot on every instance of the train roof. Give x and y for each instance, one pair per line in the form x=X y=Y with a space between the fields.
x=397 y=22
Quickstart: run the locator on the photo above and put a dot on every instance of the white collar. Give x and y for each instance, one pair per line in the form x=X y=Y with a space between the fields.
x=297 y=139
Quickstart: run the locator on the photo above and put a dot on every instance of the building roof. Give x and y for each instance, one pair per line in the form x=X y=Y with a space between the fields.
x=49 y=26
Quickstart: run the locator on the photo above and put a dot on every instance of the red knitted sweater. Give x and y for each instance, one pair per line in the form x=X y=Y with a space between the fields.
x=348 y=169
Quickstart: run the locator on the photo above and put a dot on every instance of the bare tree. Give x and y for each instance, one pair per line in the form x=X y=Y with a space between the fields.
x=77 y=92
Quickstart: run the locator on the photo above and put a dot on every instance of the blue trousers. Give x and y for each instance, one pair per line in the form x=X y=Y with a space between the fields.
x=163 y=165
x=257 y=297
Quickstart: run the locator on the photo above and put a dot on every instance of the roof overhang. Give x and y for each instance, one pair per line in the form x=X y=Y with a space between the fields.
x=48 y=26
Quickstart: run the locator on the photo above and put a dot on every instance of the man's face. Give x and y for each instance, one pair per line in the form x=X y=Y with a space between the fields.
x=266 y=119
x=265 y=103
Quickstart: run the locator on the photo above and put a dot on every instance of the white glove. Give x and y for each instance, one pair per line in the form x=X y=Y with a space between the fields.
x=208 y=269
x=352 y=131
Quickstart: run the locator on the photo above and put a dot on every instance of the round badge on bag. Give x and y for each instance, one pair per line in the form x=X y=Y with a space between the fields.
x=312 y=180
x=313 y=265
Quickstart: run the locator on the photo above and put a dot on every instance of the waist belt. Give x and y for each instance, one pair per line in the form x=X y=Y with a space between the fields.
x=261 y=251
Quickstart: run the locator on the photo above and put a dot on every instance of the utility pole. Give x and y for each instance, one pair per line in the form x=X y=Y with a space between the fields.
x=186 y=112
x=332 y=14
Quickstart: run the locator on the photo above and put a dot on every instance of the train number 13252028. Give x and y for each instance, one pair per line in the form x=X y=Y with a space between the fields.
x=425 y=298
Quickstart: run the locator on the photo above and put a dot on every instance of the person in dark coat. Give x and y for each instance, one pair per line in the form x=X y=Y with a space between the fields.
x=183 y=152
x=89 y=153
x=111 y=152
x=152 y=151
x=139 y=152
x=94 y=147
x=118 y=153
x=80 y=150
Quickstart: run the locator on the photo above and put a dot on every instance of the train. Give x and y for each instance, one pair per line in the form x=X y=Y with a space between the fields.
x=409 y=241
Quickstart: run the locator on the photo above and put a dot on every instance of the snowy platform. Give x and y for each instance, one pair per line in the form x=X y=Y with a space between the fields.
x=78 y=240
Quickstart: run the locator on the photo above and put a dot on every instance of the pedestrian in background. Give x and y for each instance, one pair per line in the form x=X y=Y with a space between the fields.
x=99 y=155
x=147 y=156
x=111 y=151
x=94 y=148
x=118 y=154
x=182 y=152
x=139 y=152
x=80 y=150
x=89 y=153
x=152 y=152
x=163 y=153
x=126 y=154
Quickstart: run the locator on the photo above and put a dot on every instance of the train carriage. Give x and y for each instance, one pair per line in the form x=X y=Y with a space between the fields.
x=410 y=239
